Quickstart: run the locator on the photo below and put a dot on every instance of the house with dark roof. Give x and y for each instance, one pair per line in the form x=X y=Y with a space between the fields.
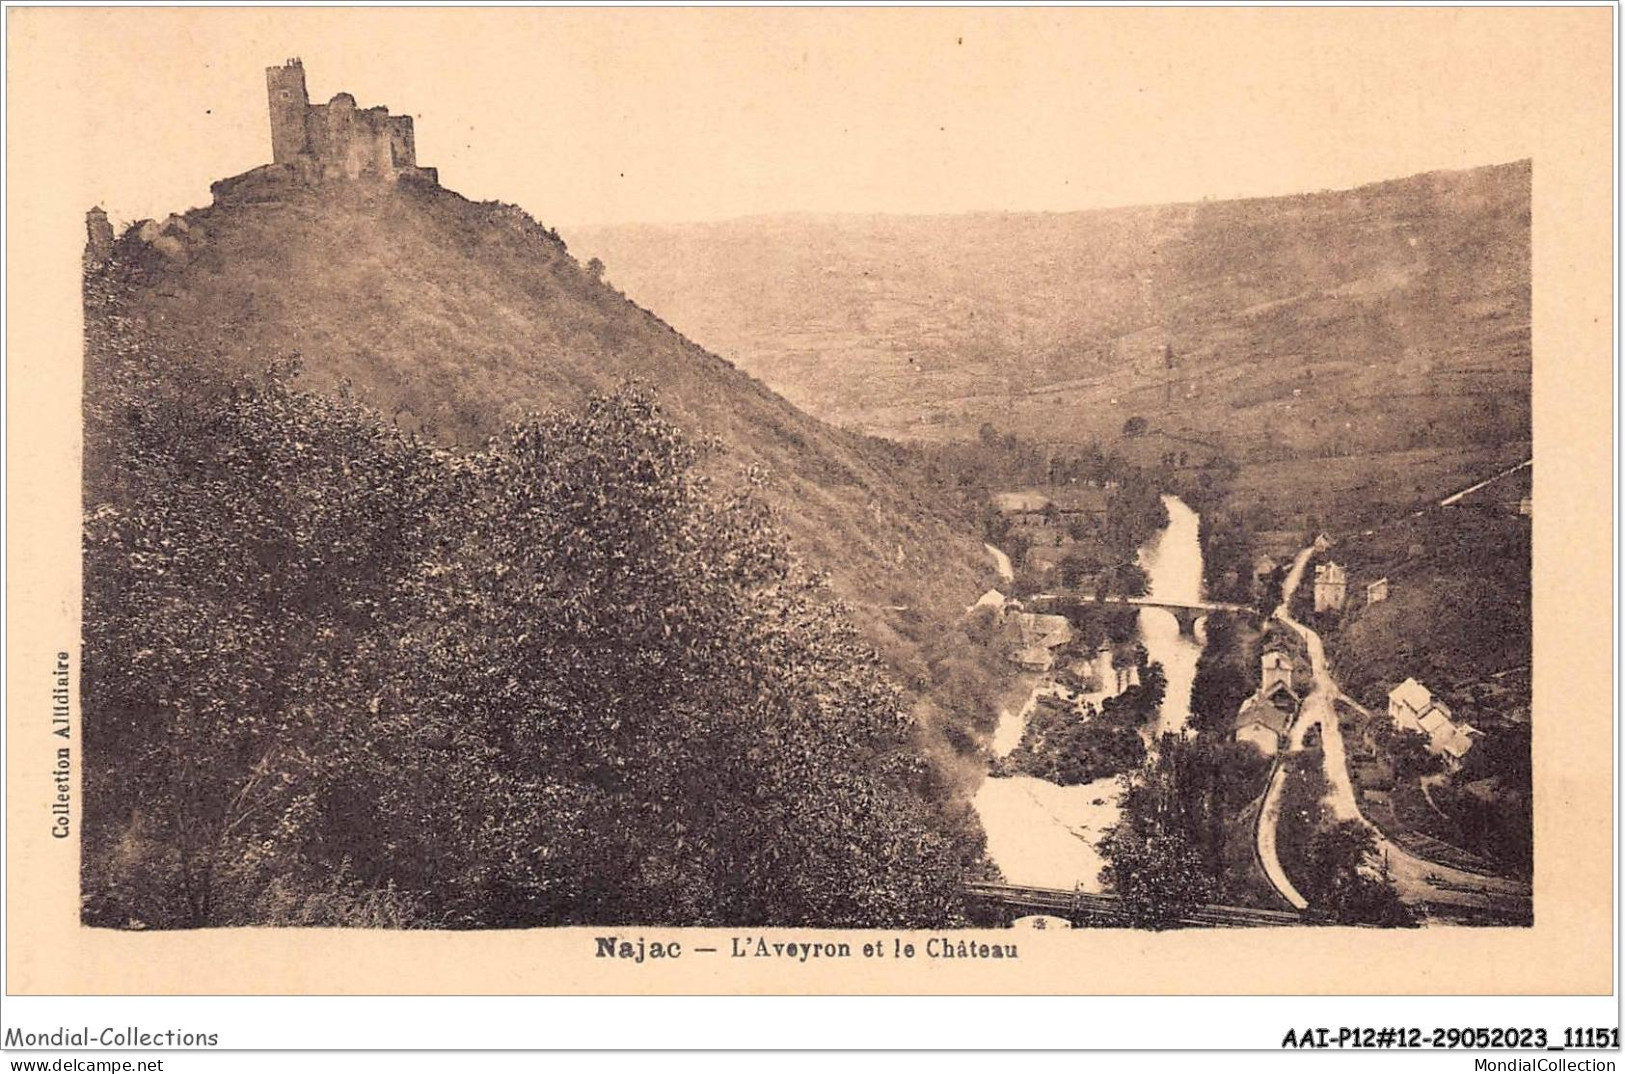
x=1262 y=724
x=1033 y=638
x=1264 y=719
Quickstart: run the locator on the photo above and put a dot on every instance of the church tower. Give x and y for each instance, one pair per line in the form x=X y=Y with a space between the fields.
x=285 y=86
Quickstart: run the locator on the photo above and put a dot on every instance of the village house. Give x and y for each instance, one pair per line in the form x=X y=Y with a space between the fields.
x=1331 y=587
x=1277 y=670
x=1265 y=717
x=991 y=599
x=1033 y=638
x=1376 y=592
x=1412 y=707
x=1262 y=725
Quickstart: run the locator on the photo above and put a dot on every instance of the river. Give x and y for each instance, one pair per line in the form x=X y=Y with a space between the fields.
x=1173 y=565
x=1046 y=835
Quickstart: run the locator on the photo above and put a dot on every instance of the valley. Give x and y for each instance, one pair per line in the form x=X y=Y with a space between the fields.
x=1342 y=372
x=953 y=558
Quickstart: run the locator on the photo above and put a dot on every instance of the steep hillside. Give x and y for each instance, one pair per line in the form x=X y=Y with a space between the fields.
x=1390 y=318
x=457 y=318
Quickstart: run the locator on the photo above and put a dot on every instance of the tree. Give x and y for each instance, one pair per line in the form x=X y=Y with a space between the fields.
x=995 y=525
x=1409 y=751
x=1269 y=597
x=1125 y=580
x=1347 y=878
x=595 y=269
x=1063 y=746
x=336 y=675
x=1217 y=692
x=1156 y=872
x=1075 y=571
x=1016 y=546
x=982 y=626
x=1135 y=426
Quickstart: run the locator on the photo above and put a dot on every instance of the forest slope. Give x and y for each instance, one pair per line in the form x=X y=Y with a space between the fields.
x=457 y=318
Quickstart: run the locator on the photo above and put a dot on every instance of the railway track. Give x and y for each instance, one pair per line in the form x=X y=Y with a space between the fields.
x=1092 y=908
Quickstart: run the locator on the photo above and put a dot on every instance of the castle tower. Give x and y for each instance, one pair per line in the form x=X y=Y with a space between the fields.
x=285 y=88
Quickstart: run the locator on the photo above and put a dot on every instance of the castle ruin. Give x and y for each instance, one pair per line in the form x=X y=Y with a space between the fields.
x=336 y=140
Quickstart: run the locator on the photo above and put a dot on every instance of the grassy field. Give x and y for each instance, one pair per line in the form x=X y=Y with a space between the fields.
x=1360 y=491
x=1390 y=317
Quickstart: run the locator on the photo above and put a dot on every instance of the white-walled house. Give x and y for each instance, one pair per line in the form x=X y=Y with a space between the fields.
x=1262 y=725
x=1412 y=707
x=1277 y=668
x=1331 y=587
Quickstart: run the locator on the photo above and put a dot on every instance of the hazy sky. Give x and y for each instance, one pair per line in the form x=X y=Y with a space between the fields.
x=672 y=115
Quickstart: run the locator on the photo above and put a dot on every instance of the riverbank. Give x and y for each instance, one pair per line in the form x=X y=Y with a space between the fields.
x=1046 y=835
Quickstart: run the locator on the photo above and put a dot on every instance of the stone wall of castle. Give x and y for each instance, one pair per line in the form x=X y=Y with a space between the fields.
x=336 y=140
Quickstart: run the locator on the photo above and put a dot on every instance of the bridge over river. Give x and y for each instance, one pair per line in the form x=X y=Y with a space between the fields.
x=1185 y=612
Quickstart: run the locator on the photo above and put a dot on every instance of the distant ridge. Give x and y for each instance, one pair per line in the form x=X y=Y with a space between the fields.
x=1298 y=325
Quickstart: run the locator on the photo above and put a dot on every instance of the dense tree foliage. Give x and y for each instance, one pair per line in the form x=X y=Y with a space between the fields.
x=1226 y=673
x=335 y=675
x=997 y=460
x=1333 y=863
x=1346 y=878
x=1168 y=852
x=1227 y=557
x=1407 y=749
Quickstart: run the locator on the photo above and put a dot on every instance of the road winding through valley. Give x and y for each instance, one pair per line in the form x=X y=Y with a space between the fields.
x=1001 y=563
x=1417 y=880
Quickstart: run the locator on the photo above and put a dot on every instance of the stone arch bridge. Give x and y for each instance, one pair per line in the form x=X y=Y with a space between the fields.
x=1186 y=613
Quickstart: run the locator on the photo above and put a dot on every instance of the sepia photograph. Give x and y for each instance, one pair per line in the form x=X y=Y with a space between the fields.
x=1164 y=566
x=845 y=491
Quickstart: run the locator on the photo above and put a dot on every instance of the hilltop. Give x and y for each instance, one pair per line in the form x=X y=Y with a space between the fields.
x=1311 y=332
